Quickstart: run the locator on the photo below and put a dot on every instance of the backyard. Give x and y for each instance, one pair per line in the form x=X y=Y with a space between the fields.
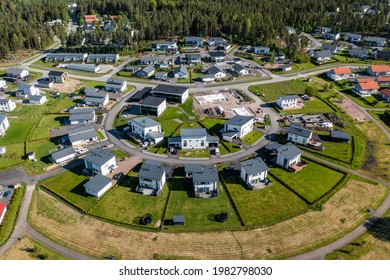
x=271 y=92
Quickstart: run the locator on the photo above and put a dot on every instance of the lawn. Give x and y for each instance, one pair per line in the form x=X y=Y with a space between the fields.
x=42 y=150
x=169 y=126
x=303 y=66
x=213 y=125
x=13 y=156
x=194 y=153
x=339 y=151
x=194 y=76
x=187 y=106
x=380 y=115
x=264 y=206
x=69 y=186
x=123 y=204
x=307 y=182
x=119 y=154
x=100 y=135
x=271 y=92
x=47 y=122
x=172 y=113
x=313 y=106
x=252 y=137
x=372 y=101
x=17 y=132
x=199 y=213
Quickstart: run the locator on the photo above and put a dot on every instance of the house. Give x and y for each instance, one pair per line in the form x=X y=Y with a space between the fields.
x=90 y=18
x=385 y=94
x=3 y=85
x=98 y=185
x=161 y=76
x=84 y=67
x=153 y=106
x=254 y=173
x=204 y=180
x=58 y=77
x=352 y=38
x=193 y=139
x=115 y=85
x=288 y=155
x=147 y=129
x=193 y=59
x=18 y=73
x=37 y=99
x=280 y=56
x=132 y=69
x=98 y=58
x=66 y=57
x=340 y=136
x=151 y=60
x=177 y=94
x=146 y=72
x=322 y=56
x=237 y=127
x=358 y=52
x=240 y=70
x=27 y=89
x=180 y=72
x=206 y=78
x=95 y=98
x=375 y=41
x=261 y=50
x=379 y=70
x=216 y=72
x=63 y=155
x=82 y=135
x=284 y=67
x=3 y=210
x=216 y=57
x=216 y=41
x=4 y=124
x=366 y=88
x=100 y=161
x=299 y=135
x=383 y=55
x=7 y=105
x=193 y=41
x=334 y=49
x=339 y=73
x=331 y=36
x=164 y=46
x=82 y=116
x=323 y=29
x=151 y=178
x=383 y=80
x=287 y=101
x=45 y=83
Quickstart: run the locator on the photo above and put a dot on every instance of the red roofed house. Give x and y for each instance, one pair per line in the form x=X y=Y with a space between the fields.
x=339 y=73
x=378 y=70
x=385 y=93
x=383 y=80
x=366 y=88
x=3 y=210
x=90 y=18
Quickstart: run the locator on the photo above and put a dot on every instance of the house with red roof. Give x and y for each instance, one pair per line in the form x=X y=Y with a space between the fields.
x=378 y=70
x=385 y=94
x=3 y=210
x=366 y=88
x=339 y=73
x=383 y=80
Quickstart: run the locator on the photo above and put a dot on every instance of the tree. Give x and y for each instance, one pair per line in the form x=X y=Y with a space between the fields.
x=311 y=90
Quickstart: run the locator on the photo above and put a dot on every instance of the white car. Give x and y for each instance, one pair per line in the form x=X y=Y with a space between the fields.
x=144 y=144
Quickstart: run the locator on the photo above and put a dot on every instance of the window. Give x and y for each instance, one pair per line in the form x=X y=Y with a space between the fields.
x=202 y=143
x=185 y=143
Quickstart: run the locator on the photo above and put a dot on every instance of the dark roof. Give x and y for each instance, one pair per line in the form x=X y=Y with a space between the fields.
x=99 y=156
x=216 y=54
x=97 y=183
x=144 y=122
x=152 y=171
x=212 y=139
x=36 y=97
x=180 y=69
x=188 y=132
x=319 y=54
x=81 y=111
x=95 y=94
x=339 y=134
x=141 y=93
x=62 y=153
x=207 y=174
x=56 y=73
x=147 y=69
x=214 y=70
x=152 y=101
x=191 y=168
x=254 y=166
x=289 y=151
x=45 y=81
x=300 y=131
x=325 y=47
x=176 y=139
x=238 y=67
x=239 y=120
x=82 y=132
x=170 y=89
x=274 y=146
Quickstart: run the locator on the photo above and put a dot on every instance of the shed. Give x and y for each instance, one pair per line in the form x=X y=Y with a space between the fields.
x=178 y=220
x=31 y=156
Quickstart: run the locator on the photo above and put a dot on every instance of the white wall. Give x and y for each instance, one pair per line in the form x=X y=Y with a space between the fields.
x=143 y=131
x=286 y=103
x=8 y=106
x=193 y=143
x=211 y=185
x=101 y=192
x=68 y=157
x=298 y=139
x=280 y=160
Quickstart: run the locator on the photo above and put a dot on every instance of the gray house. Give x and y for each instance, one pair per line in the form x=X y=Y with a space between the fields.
x=216 y=56
x=358 y=52
x=204 y=180
x=82 y=116
x=82 y=135
x=98 y=185
x=254 y=173
x=322 y=56
x=66 y=57
x=151 y=178
x=58 y=76
x=180 y=72
x=193 y=41
x=353 y=38
x=63 y=155
x=146 y=72
x=103 y=58
x=375 y=41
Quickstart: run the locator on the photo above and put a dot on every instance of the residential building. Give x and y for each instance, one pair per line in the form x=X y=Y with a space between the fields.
x=151 y=178
x=340 y=136
x=379 y=70
x=140 y=95
x=385 y=94
x=237 y=127
x=3 y=210
x=180 y=72
x=240 y=70
x=115 y=85
x=161 y=76
x=204 y=180
x=147 y=129
x=58 y=77
x=331 y=36
x=216 y=72
x=216 y=41
x=193 y=139
x=146 y=72
x=164 y=46
x=383 y=80
x=98 y=58
x=358 y=52
x=254 y=173
x=352 y=38
x=45 y=83
x=366 y=88
x=153 y=106
x=100 y=161
x=66 y=57
x=98 y=185
x=339 y=73
x=288 y=155
x=280 y=56
x=4 y=124
x=95 y=98
x=156 y=60
x=82 y=116
x=299 y=135
x=334 y=49
x=191 y=59
x=383 y=55
x=322 y=56
x=375 y=41
x=261 y=50
x=177 y=94
x=193 y=41
x=27 y=89
x=3 y=85
x=17 y=73
x=82 y=135
x=84 y=67
x=63 y=155
x=323 y=29
x=7 y=105
x=206 y=78
x=284 y=67
x=37 y=99
x=287 y=101
x=216 y=57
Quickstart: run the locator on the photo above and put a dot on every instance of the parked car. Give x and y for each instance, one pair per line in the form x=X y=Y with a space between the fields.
x=119 y=176
x=7 y=193
x=144 y=144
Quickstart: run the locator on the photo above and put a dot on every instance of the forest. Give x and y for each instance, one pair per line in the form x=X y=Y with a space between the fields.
x=22 y=22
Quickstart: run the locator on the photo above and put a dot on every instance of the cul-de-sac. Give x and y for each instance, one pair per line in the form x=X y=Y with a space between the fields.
x=194 y=130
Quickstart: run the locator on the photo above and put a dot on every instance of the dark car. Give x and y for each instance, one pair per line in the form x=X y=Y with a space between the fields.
x=7 y=193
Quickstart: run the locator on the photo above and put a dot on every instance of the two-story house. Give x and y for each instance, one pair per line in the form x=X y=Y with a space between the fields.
x=4 y=124
x=153 y=106
x=379 y=70
x=81 y=135
x=261 y=50
x=366 y=87
x=58 y=77
x=287 y=101
x=7 y=105
x=100 y=161
x=339 y=73
x=193 y=41
x=27 y=89
x=204 y=180
x=82 y=116
x=237 y=127
x=146 y=128
x=193 y=139
x=151 y=178
x=299 y=135
x=254 y=173
x=177 y=94
x=288 y=155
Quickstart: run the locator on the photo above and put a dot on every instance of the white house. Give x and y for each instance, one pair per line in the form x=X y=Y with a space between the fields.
x=261 y=50
x=299 y=135
x=4 y=124
x=164 y=46
x=146 y=128
x=339 y=73
x=180 y=72
x=82 y=135
x=237 y=127
x=3 y=85
x=84 y=67
x=151 y=178
x=153 y=106
x=216 y=72
x=240 y=70
x=331 y=36
x=37 y=99
x=98 y=185
x=287 y=101
x=288 y=155
x=116 y=85
x=204 y=180
x=177 y=94
x=254 y=173
x=206 y=78
x=17 y=73
x=100 y=161
x=82 y=116
x=63 y=155
x=217 y=56
x=28 y=89
x=322 y=56
x=366 y=88
x=193 y=139
x=7 y=105
x=3 y=210
x=193 y=41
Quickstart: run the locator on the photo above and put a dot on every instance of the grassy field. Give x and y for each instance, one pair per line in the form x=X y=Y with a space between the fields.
x=213 y=125
x=380 y=115
x=194 y=153
x=199 y=213
x=271 y=92
x=13 y=156
x=303 y=66
x=306 y=182
x=314 y=106
x=47 y=122
x=264 y=206
x=339 y=151
x=252 y=137
x=194 y=76
x=187 y=106
x=28 y=249
x=42 y=150
x=172 y=113
x=17 y=132
x=169 y=126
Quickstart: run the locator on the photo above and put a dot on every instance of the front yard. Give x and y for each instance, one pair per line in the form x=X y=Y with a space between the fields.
x=252 y=137
x=271 y=92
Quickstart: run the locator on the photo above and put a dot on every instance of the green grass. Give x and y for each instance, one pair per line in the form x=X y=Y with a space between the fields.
x=303 y=66
x=34 y=76
x=13 y=156
x=69 y=186
x=271 y=92
x=310 y=182
x=100 y=135
x=314 y=106
x=199 y=213
x=169 y=126
x=188 y=124
x=122 y=204
x=172 y=113
x=194 y=153
x=213 y=125
x=41 y=149
x=48 y=122
x=187 y=106
x=119 y=154
x=252 y=137
x=17 y=132
x=380 y=115
x=194 y=76
x=372 y=101
x=264 y=206
x=352 y=251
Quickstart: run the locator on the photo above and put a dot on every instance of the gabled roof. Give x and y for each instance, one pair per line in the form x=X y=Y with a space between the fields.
x=99 y=156
x=151 y=171
x=144 y=122
x=300 y=131
x=369 y=85
x=239 y=120
x=358 y=51
x=148 y=69
x=353 y=35
x=380 y=68
x=3 y=117
x=342 y=70
x=329 y=47
x=375 y=39
x=339 y=134
x=386 y=92
x=383 y=79
x=207 y=174
x=36 y=97
x=62 y=153
x=82 y=132
x=238 y=67
x=322 y=54
x=15 y=71
x=56 y=73
x=289 y=151
x=287 y=97
x=191 y=168
x=170 y=89
x=97 y=183
x=192 y=38
x=216 y=54
x=189 y=132
x=214 y=70
x=160 y=75
x=181 y=69
x=364 y=79
x=254 y=166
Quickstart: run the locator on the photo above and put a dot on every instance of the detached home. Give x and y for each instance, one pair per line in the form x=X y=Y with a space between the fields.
x=96 y=98
x=193 y=139
x=82 y=135
x=240 y=70
x=98 y=185
x=151 y=178
x=379 y=70
x=385 y=94
x=375 y=41
x=193 y=41
x=322 y=56
x=287 y=101
x=358 y=52
x=177 y=94
x=299 y=135
x=45 y=83
x=146 y=72
x=146 y=128
x=4 y=124
x=216 y=72
x=254 y=173
x=164 y=46
x=58 y=77
x=331 y=36
x=180 y=72
x=27 y=89
x=366 y=88
x=153 y=106
x=17 y=73
x=116 y=85
x=82 y=116
x=63 y=155
x=334 y=49
x=353 y=38
x=37 y=99
x=288 y=155
x=7 y=105
x=339 y=73
x=237 y=127
x=204 y=180
x=100 y=161
x=216 y=57
x=261 y=50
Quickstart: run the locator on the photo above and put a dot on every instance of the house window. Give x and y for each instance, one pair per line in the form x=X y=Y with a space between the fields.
x=185 y=143
x=202 y=143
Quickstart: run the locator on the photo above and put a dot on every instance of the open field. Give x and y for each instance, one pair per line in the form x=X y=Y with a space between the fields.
x=271 y=92
x=381 y=116
x=47 y=122
x=41 y=149
x=373 y=101
x=291 y=237
x=252 y=137
x=28 y=249
x=187 y=106
x=14 y=156
x=17 y=132
x=313 y=106
x=169 y=126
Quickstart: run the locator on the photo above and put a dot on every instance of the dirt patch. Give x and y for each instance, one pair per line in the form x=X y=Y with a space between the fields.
x=354 y=111
x=68 y=87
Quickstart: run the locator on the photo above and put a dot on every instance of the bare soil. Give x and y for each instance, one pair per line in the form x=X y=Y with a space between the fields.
x=353 y=110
